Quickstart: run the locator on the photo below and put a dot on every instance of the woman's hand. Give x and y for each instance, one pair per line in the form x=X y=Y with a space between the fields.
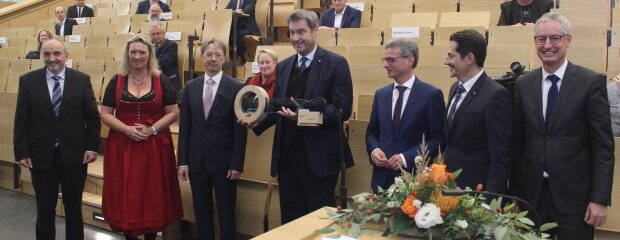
x=136 y=133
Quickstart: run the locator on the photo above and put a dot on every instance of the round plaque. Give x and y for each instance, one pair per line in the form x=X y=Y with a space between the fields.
x=251 y=104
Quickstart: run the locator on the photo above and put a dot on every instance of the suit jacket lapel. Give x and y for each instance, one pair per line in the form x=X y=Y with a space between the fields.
x=44 y=90
x=67 y=89
x=536 y=91
x=565 y=90
x=196 y=94
x=217 y=98
x=413 y=93
x=470 y=95
x=315 y=71
x=287 y=67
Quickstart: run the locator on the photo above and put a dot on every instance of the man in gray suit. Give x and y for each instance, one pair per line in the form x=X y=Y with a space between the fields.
x=564 y=145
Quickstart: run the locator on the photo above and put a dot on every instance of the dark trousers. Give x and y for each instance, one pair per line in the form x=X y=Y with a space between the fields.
x=241 y=32
x=302 y=192
x=203 y=183
x=571 y=226
x=45 y=183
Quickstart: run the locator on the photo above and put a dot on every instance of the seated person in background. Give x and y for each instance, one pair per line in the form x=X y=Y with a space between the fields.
x=144 y=6
x=246 y=24
x=80 y=10
x=166 y=52
x=266 y=78
x=43 y=36
x=613 y=93
x=341 y=16
x=154 y=14
x=523 y=12
x=63 y=25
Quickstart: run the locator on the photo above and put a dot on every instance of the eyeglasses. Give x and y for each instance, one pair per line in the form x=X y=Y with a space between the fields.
x=391 y=60
x=210 y=55
x=554 y=39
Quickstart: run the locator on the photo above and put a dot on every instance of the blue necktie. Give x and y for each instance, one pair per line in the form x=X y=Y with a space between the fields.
x=398 y=108
x=457 y=96
x=552 y=95
x=302 y=64
x=56 y=95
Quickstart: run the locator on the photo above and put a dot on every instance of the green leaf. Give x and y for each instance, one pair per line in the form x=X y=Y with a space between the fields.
x=509 y=207
x=356 y=230
x=548 y=226
x=500 y=232
x=521 y=214
x=326 y=230
x=456 y=173
x=526 y=221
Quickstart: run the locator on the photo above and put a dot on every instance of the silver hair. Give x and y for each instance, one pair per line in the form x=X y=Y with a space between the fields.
x=302 y=14
x=407 y=48
x=158 y=25
x=554 y=17
x=216 y=42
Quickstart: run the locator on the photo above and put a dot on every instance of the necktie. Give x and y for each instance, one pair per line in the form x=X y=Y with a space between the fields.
x=552 y=95
x=398 y=108
x=207 y=101
x=56 y=95
x=302 y=64
x=79 y=12
x=457 y=96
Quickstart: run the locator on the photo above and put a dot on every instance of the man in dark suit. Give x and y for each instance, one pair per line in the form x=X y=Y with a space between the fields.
x=167 y=54
x=402 y=114
x=341 y=16
x=479 y=117
x=80 y=10
x=144 y=6
x=306 y=159
x=211 y=143
x=246 y=22
x=56 y=135
x=523 y=12
x=63 y=26
x=565 y=148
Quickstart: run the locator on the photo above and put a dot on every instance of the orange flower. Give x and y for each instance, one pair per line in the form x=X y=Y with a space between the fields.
x=479 y=187
x=437 y=170
x=408 y=207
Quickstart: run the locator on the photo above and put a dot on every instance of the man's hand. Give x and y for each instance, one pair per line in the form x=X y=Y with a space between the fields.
x=89 y=157
x=378 y=158
x=596 y=214
x=395 y=162
x=183 y=173
x=26 y=162
x=245 y=124
x=233 y=175
x=288 y=113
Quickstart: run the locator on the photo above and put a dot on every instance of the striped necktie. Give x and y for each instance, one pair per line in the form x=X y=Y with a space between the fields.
x=56 y=95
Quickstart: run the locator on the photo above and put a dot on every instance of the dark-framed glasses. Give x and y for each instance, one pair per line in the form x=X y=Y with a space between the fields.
x=391 y=60
x=554 y=39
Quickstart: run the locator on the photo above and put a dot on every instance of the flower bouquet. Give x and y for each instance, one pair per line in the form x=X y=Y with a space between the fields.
x=415 y=205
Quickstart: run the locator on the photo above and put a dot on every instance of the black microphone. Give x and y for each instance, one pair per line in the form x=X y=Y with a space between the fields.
x=458 y=192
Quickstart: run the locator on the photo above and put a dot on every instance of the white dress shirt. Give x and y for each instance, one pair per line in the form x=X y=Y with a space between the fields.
x=467 y=85
x=217 y=78
x=338 y=19
x=310 y=57
x=546 y=85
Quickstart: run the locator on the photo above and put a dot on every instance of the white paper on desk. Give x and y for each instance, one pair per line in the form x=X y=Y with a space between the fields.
x=357 y=5
x=408 y=32
x=81 y=20
x=74 y=38
x=342 y=237
x=173 y=36
x=90 y=5
x=69 y=63
x=166 y=15
x=255 y=67
x=164 y=1
x=2 y=40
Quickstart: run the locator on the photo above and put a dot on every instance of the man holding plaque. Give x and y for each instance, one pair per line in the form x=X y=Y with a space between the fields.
x=307 y=159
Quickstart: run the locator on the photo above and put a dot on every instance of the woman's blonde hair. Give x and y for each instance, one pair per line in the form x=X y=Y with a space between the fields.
x=270 y=53
x=152 y=66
